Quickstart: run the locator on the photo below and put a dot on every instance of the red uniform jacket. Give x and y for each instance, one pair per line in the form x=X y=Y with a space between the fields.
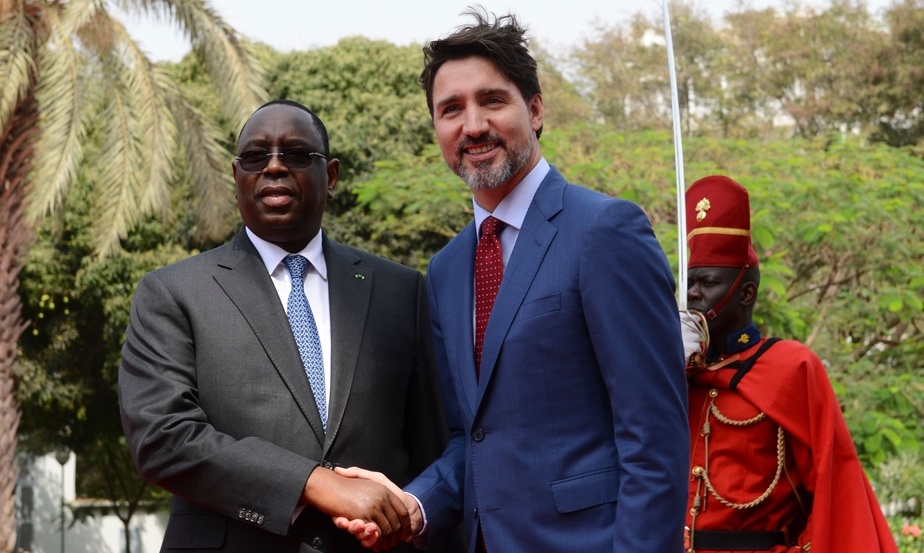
x=788 y=383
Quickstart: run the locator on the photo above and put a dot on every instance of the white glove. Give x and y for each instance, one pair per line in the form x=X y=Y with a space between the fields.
x=695 y=334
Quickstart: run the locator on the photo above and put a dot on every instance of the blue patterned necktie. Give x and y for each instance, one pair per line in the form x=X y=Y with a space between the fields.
x=306 y=332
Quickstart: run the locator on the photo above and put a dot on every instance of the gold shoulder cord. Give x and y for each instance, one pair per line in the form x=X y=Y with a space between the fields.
x=702 y=473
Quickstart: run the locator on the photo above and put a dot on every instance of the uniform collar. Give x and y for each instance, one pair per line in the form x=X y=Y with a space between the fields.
x=738 y=341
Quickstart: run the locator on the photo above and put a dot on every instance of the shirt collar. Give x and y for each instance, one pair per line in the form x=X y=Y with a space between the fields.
x=272 y=255
x=512 y=209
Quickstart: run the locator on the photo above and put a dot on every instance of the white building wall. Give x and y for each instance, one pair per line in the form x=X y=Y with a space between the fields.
x=39 y=500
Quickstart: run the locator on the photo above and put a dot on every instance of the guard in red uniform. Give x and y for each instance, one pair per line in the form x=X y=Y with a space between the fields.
x=773 y=467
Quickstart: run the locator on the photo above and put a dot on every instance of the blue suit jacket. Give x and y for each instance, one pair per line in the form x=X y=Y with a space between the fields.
x=575 y=437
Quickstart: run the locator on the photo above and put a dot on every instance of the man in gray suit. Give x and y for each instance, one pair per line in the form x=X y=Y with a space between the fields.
x=216 y=403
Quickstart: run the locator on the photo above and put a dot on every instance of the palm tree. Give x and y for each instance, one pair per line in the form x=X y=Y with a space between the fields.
x=60 y=62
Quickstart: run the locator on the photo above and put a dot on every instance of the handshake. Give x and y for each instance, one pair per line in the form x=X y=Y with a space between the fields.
x=367 y=505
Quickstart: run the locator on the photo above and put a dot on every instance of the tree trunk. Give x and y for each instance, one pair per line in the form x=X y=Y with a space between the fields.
x=128 y=534
x=15 y=237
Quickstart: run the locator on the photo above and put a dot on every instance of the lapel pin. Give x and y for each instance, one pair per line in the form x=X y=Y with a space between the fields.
x=359 y=276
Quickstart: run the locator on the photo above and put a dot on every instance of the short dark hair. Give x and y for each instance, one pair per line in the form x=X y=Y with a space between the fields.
x=499 y=39
x=315 y=120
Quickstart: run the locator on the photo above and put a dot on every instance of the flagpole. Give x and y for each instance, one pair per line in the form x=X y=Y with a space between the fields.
x=678 y=162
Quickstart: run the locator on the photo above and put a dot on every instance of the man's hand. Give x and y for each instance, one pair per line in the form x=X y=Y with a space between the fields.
x=364 y=530
x=358 y=499
x=695 y=333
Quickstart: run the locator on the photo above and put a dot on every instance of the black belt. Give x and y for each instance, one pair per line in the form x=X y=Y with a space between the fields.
x=737 y=541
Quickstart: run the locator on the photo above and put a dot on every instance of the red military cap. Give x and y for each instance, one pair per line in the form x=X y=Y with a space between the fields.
x=719 y=224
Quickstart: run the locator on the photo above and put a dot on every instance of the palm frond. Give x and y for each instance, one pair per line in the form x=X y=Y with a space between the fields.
x=225 y=55
x=140 y=130
x=155 y=126
x=210 y=169
x=240 y=78
x=120 y=184
x=140 y=115
x=79 y=14
x=59 y=148
x=17 y=62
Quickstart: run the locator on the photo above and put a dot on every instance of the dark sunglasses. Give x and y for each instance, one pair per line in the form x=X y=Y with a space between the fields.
x=255 y=161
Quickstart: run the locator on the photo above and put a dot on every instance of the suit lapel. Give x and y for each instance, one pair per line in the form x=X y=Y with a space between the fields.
x=350 y=288
x=461 y=256
x=532 y=243
x=242 y=275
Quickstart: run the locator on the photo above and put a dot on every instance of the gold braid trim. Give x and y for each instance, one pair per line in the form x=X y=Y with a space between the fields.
x=780 y=459
x=714 y=409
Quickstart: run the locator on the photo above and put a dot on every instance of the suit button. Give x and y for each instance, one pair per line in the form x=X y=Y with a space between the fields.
x=477 y=434
x=317 y=543
x=327 y=464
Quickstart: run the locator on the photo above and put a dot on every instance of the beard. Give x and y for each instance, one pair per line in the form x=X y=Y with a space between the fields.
x=484 y=175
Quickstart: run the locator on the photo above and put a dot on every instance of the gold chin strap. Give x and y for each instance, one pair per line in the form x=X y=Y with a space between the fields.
x=715 y=310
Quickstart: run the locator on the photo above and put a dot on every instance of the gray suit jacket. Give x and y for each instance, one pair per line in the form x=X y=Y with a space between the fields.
x=217 y=408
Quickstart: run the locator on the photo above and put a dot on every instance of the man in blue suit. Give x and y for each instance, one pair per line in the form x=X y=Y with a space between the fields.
x=572 y=433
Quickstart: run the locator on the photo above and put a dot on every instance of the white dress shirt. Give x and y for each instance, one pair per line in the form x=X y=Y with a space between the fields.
x=512 y=209
x=315 y=287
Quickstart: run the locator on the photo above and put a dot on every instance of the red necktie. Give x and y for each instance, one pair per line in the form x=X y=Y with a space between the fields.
x=489 y=270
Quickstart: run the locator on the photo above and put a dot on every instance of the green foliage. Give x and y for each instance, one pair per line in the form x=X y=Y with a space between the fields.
x=908 y=532
x=366 y=92
x=414 y=207
x=902 y=477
